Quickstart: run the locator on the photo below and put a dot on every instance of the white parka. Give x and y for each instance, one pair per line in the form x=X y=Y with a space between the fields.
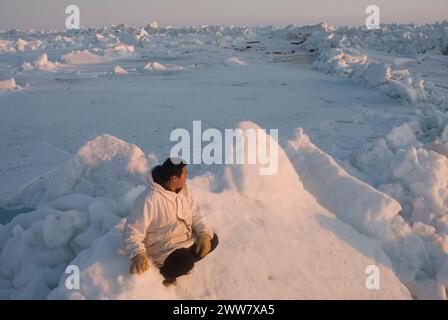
x=162 y=221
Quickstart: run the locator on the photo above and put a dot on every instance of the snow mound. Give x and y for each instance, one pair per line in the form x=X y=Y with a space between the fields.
x=9 y=84
x=119 y=51
x=154 y=66
x=42 y=63
x=104 y=167
x=21 y=45
x=234 y=61
x=160 y=68
x=82 y=57
x=275 y=242
x=119 y=70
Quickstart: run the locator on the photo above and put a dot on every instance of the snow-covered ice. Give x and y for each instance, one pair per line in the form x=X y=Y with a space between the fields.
x=363 y=167
x=79 y=221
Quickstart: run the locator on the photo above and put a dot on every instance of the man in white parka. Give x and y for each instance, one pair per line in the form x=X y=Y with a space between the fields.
x=164 y=223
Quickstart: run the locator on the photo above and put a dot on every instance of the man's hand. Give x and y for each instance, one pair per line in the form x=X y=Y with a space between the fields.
x=139 y=263
x=203 y=246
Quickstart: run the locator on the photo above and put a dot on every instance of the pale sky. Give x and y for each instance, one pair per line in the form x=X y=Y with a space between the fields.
x=50 y=14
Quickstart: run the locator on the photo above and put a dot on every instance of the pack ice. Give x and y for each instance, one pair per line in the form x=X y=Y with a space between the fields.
x=308 y=232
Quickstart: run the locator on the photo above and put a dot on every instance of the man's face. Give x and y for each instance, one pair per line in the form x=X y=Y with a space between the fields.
x=179 y=182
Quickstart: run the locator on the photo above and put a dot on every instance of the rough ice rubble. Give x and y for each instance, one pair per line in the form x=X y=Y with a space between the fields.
x=399 y=84
x=68 y=221
x=234 y=61
x=307 y=252
x=79 y=58
x=395 y=39
x=398 y=39
x=115 y=42
x=424 y=175
x=418 y=252
x=415 y=173
x=19 y=45
x=118 y=51
x=411 y=171
x=42 y=63
x=350 y=51
x=419 y=260
x=121 y=38
x=376 y=161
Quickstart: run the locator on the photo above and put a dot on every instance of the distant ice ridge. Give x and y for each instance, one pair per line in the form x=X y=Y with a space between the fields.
x=123 y=36
x=353 y=52
x=276 y=242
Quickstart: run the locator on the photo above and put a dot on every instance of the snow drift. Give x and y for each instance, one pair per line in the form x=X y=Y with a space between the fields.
x=276 y=241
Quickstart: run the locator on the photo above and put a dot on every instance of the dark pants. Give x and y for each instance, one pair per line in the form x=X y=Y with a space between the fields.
x=181 y=261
